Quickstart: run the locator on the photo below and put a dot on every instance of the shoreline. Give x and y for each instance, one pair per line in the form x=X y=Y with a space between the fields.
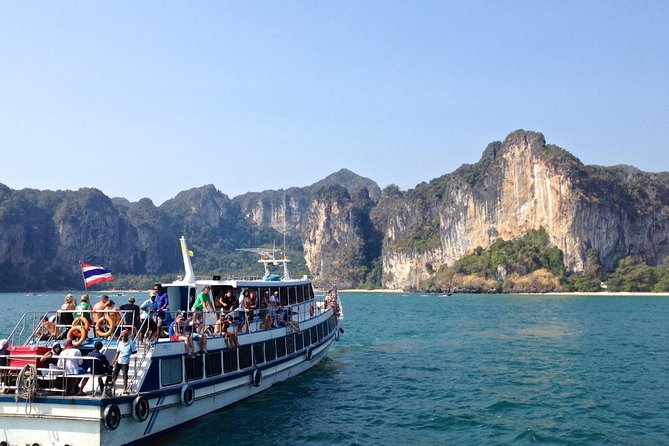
x=551 y=293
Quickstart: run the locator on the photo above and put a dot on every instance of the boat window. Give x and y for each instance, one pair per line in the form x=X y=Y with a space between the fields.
x=314 y=335
x=299 y=342
x=290 y=344
x=280 y=347
x=270 y=351
x=230 y=360
x=283 y=296
x=320 y=331
x=292 y=294
x=212 y=364
x=310 y=292
x=245 y=359
x=193 y=367
x=170 y=371
x=258 y=353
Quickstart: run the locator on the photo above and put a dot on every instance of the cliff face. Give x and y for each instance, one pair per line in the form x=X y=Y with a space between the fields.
x=520 y=185
x=348 y=231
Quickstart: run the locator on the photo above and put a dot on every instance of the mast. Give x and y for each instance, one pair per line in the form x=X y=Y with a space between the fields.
x=189 y=275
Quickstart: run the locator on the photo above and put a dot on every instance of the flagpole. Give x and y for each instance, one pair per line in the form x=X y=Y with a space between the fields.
x=81 y=268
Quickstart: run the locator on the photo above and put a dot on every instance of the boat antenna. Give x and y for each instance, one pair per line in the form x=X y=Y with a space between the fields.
x=286 y=273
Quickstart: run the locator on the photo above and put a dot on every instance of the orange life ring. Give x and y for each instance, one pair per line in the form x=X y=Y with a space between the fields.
x=311 y=311
x=98 y=326
x=78 y=322
x=81 y=336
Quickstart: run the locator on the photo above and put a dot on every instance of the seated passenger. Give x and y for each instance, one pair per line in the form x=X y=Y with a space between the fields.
x=70 y=361
x=4 y=358
x=197 y=333
x=50 y=359
x=98 y=366
x=46 y=330
x=177 y=332
x=267 y=322
x=229 y=333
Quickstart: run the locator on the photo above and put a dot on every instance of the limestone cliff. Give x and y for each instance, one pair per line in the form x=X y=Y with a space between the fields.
x=519 y=185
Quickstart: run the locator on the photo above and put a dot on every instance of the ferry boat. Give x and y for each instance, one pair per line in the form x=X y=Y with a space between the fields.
x=167 y=386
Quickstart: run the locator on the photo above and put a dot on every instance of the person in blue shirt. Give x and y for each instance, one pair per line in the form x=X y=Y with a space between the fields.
x=162 y=307
x=125 y=348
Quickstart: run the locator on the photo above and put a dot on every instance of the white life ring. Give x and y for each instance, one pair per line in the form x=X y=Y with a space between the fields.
x=187 y=395
x=140 y=409
x=336 y=335
x=309 y=353
x=112 y=416
x=257 y=378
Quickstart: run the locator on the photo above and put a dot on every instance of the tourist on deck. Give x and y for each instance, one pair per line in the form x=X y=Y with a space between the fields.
x=244 y=310
x=46 y=330
x=202 y=303
x=83 y=309
x=125 y=348
x=112 y=311
x=70 y=361
x=65 y=316
x=196 y=330
x=49 y=359
x=162 y=307
x=131 y=312
x=273 y=307
x=148 y=311
x=177 y=332
x=229 y=332
x=4 y=358
x=98 y=366
x=99 y=307
x=227 y=302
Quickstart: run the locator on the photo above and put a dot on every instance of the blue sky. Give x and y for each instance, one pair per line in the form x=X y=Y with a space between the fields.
x=145 y=99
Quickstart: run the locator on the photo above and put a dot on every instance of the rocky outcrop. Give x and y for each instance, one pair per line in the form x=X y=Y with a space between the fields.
x=519 y=185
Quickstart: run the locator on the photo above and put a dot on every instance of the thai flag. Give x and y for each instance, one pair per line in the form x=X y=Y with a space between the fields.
x=95 y=274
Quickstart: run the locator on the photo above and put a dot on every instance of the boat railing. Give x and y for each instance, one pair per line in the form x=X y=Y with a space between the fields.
x=30 y=374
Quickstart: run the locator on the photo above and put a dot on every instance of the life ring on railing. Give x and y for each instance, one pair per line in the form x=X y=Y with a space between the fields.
x=257 y=378
x=81 y=336
x=140 y=409
x=111 y=416
x=309 y=353
x=77 y=323
x=187 y=395
x=311 y=310
x=100 y=323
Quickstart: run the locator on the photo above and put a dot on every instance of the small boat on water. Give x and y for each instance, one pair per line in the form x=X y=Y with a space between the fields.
x=167 y=385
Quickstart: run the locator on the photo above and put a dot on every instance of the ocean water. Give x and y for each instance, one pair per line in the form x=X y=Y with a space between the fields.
x=466 y=369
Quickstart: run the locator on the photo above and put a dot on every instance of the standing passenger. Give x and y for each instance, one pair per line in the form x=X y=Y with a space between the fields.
x=162 y=306
x=124 y=349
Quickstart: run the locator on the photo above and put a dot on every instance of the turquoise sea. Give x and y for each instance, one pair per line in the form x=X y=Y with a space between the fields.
x=466 y=369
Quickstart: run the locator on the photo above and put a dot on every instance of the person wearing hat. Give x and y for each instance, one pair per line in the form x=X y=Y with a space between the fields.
x=131 y=312
x=148 y=313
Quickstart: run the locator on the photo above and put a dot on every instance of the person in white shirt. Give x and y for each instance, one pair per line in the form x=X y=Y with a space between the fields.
x=70 y=361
